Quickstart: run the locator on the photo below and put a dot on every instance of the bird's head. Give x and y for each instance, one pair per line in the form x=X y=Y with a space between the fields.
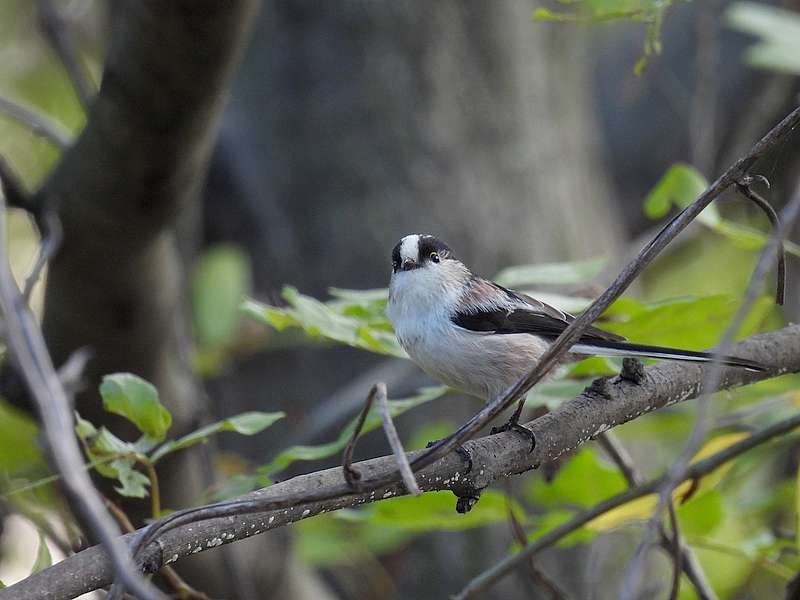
x=424 y=265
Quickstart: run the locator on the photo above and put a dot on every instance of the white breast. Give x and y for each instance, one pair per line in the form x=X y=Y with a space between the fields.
x=479 y=364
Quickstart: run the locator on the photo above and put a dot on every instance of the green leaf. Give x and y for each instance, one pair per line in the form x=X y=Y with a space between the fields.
x=779 y=30
x=2 y=585
x=43 y=558
x=551 y=273
x=373 y=421
x=102 y=444
x=583 y=481
x=680 y=185
x=435 y=511
x=84 y=429
x=690 y=323
x=702 y=514
x=340 y=321
x=132 y=483
x=137 y=400
x=249 y=423
x=19 y=447
x=220 y=281
x=649 y=12
x=107 y=443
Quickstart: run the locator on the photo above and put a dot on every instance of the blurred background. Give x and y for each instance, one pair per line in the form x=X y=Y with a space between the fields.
x=516 y=140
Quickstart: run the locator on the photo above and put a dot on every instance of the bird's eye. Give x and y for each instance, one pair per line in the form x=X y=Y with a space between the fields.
x=435 y=257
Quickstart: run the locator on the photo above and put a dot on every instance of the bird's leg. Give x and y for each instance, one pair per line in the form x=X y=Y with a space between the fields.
x=513 y=424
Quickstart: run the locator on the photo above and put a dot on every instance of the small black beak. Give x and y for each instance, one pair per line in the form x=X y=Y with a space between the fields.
x=409 y=264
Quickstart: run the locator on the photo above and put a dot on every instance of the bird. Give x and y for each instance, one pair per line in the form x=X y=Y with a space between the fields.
x=479 y=337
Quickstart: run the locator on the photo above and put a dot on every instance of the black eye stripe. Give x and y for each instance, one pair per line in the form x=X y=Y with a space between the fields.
x=396 y=256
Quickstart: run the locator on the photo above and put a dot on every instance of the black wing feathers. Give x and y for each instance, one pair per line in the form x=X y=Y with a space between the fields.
x=524 y=315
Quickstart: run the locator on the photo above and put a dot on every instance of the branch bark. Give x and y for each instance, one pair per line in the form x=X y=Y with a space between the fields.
x=605 y=404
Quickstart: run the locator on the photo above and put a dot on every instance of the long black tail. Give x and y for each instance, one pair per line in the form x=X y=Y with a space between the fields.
x=611 y=348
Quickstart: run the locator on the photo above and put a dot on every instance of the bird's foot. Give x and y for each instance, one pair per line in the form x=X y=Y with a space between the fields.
x=514 y=425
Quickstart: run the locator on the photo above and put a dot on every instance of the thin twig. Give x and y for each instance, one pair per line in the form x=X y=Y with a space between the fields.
x=612 y=446
x=71 y=372
x=711 y=383
x=745 y=189
x=676 y=552
x=351 y=475
x=695 y=471
x=155 y=490
x=394 y=442
x=53 y=27
x=38 y=124
x=537 y=576
x=52 y=236
x=29 y=353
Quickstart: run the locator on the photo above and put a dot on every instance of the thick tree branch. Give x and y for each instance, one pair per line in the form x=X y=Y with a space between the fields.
x=604 y=405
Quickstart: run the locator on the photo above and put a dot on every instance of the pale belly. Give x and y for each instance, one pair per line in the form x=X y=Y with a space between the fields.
x=482 y=365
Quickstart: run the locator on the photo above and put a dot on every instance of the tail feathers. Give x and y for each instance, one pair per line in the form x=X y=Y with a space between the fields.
x=612 y=348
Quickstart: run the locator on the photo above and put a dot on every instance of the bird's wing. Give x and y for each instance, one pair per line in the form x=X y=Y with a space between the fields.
x=490 y=308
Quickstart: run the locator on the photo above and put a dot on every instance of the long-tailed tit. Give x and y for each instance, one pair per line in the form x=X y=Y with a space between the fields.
x=479 y=337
